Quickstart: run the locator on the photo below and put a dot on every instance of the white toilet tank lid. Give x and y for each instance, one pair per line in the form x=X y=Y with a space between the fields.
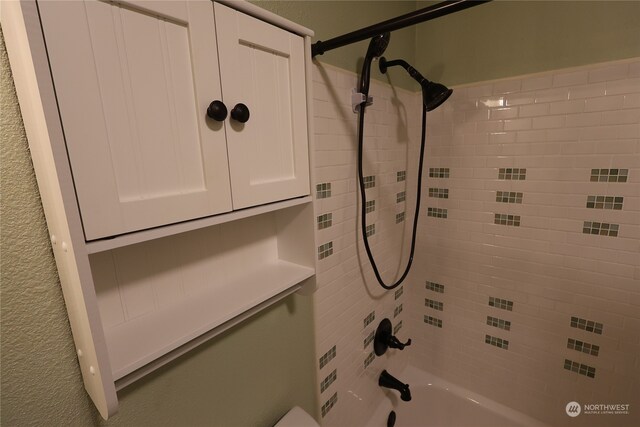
x=297 y=417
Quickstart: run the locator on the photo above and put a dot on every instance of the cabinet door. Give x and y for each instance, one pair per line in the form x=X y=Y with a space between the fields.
x=262 y=66
x=133 y=81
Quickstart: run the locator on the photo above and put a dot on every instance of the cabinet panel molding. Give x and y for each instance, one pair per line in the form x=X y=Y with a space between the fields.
x=263 y=67
x=133 y=88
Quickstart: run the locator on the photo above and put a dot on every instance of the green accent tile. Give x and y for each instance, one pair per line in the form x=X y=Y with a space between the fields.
x=438 y=172
x=370 y=358
x=509 y=197
x=497 y=342
x=436 y=287
x=325 y=221
x=397 y=327
x=436 y=305
x=587 y=325
x=370 y=206
x=437 y=212
x=369 y=339
x=502 y=304
x=602 y=229
x=433 y=321
x=609 y=175
x=397 y=310
x=327 y=357
x=506 y=219
x=329 y=404
x=329 y=379
x=369 y=181
x=439 y=193
x=499 y=323
x=605 y=202
x=370 y=230
x=516 y=174
x=323 y=190
x=370 y=318
x=325 y=250
x=580 y=368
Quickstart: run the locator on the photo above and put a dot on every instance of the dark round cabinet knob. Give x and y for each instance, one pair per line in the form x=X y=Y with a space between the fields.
x=240 y=113
x=217 y=111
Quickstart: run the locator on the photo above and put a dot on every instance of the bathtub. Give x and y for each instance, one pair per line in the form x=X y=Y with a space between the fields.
x=438 y=403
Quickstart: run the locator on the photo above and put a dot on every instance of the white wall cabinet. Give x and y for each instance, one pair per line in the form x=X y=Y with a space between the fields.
x=133 y=82
x=167 y=227
x=263 y=66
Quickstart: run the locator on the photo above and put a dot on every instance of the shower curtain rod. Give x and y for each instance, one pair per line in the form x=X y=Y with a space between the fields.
x=411 y=18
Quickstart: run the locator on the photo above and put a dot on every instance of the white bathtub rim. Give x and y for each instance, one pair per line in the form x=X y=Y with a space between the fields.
x=417 y=378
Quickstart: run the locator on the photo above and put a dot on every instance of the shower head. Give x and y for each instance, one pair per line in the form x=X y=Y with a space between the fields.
x=377 y=46
x=433 y=94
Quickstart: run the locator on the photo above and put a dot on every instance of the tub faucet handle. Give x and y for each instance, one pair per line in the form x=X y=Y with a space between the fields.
x=385 y=339
x=395 y=343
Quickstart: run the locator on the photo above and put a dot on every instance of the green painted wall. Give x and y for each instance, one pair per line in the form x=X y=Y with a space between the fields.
x=249 y=376
x=509 y=38
x=490 y=41
x=329 y=19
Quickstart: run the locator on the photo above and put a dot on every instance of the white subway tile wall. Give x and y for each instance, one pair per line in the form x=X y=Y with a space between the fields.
x=537 y=274
x=540 y=251
x=349 y=303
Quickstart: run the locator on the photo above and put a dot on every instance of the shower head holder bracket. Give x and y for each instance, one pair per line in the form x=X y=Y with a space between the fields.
x=358 y=98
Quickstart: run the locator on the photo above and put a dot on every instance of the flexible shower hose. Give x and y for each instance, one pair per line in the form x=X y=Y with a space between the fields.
x=363 y=197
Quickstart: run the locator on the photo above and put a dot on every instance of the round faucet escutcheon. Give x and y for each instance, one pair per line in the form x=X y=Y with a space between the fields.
x=385 y=339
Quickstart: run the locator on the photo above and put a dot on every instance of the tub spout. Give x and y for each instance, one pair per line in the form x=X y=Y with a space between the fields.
x=389 y=381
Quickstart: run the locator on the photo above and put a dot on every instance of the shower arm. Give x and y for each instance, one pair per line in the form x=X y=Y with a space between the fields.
x=415 y=74
x=411 y=18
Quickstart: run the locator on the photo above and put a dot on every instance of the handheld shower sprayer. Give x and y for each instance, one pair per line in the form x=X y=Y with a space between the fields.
x=433 y=94
x=377 y=46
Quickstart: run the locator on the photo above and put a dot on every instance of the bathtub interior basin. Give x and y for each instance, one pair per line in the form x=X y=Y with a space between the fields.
x=438 y=403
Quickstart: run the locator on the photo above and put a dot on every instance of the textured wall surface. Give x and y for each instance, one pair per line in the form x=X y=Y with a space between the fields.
x=250 y=375
x=40 y=376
